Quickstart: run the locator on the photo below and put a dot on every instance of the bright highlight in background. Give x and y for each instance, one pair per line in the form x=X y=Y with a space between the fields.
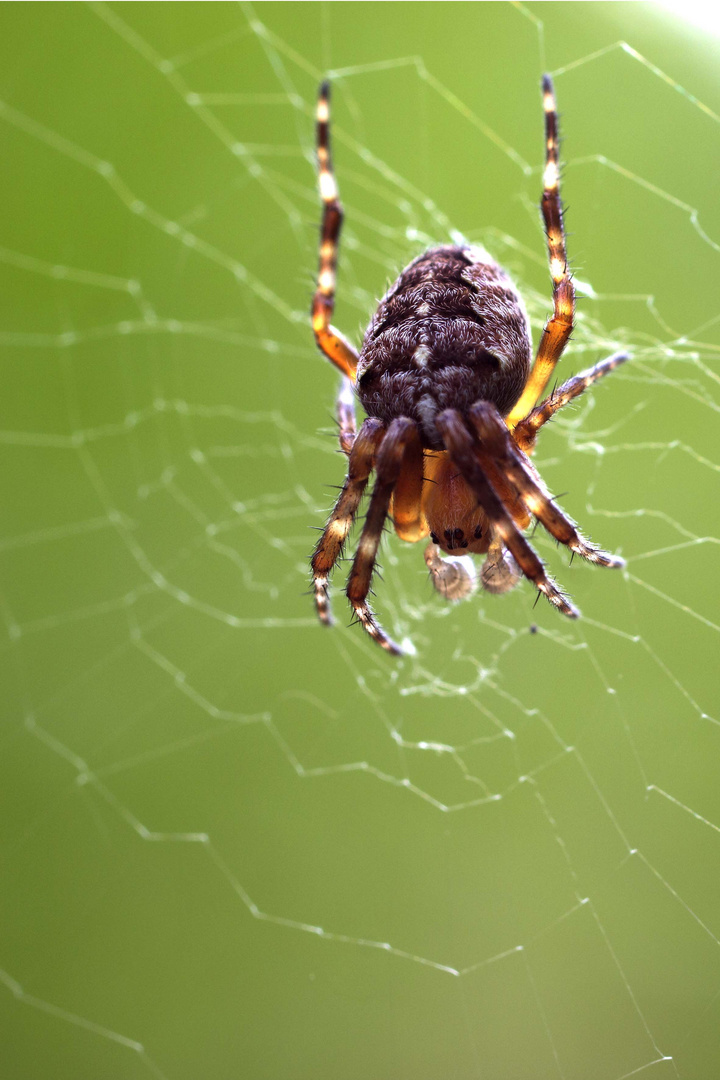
x=704 y=15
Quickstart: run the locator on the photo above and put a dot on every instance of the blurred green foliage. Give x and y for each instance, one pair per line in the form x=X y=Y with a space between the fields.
x=235 y=844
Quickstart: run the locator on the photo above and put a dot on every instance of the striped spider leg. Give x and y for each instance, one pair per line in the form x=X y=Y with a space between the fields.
x=499 y=451
x=329 y=340
x=526 y=431
x=559 y=327
x=329 y=548
x=464 y=452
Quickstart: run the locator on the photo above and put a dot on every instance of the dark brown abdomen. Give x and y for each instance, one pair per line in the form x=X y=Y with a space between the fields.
x=451 y=331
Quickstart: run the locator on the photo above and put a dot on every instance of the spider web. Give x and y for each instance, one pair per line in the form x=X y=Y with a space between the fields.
x=236 y=841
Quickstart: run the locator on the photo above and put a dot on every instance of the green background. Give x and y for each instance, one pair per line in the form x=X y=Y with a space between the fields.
x=235 y=844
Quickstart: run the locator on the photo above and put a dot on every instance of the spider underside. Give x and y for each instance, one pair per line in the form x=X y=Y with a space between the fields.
x=451 y=396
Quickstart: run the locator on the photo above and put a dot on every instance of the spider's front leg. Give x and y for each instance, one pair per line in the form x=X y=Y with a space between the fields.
x=497 y=443
x=401 y=435
x=466 y=452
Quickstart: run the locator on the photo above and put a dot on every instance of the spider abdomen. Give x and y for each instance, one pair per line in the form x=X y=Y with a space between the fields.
x=451 y=331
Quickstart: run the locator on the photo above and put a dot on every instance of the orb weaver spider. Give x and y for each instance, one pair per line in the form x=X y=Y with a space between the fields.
x=451 y=397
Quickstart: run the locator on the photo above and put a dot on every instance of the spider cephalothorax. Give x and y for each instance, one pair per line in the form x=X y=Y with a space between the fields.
x=445 y=377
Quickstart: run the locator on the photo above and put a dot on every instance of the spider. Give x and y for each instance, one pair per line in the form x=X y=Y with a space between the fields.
x=451 y=397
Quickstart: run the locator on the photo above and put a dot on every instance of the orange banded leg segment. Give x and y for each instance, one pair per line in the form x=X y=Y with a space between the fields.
x=329 y=546
x=406 y=508
x=527 y=430
x=399 y=435
x=559 y=327
x=330 y=341
x=497 y=442
x=464 y=451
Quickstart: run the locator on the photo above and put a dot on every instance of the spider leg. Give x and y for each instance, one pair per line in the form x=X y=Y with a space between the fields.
x=345 y=412
x=559 y=326
x=329 y=546
x=464 y=451
x=498 y=444
x=406 y=508
x=330 y=341
x=527 y=430
x=401 y=433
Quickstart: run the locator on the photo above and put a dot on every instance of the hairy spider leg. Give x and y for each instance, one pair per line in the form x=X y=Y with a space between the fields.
x=400 y=434
x=464 y=451
x=330 y=341
x=406 y=507
x=497 y=442
x=559 y=326
x=526 y=432
x=329 y=546
x=345 y=413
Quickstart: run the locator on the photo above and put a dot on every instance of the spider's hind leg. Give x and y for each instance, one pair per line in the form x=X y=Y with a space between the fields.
x=559 y=326
x=329 y=340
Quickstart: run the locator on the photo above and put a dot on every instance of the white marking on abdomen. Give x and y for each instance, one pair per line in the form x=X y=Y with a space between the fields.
x=422 y=355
